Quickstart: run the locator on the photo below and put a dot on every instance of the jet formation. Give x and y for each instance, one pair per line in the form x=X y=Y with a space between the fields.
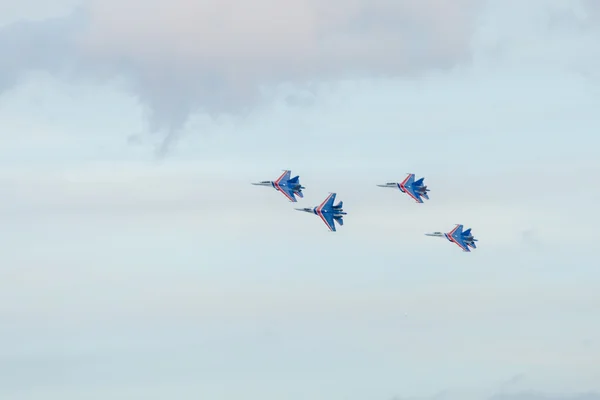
x=331 y=214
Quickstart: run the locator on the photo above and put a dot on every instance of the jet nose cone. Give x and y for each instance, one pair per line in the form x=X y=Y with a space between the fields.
x=306 y=209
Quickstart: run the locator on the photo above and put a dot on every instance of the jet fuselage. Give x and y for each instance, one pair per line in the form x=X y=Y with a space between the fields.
x=313 y=210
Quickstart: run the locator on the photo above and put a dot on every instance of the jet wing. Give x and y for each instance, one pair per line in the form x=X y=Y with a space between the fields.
x=280 y=185
x=460 y=243
x=287 y=192
x=327 y=205
x=455 y=236
x=411 y=192
x=408 y=180
x=328 y=219
x=407 y=184
x=284 y=177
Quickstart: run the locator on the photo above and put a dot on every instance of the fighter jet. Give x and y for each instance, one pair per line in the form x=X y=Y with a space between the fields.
x=464 y=240
x=415 y=189
x=288 y=187
x=328 y=212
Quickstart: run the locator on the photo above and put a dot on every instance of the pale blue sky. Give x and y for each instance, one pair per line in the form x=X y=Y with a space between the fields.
x=126 y=277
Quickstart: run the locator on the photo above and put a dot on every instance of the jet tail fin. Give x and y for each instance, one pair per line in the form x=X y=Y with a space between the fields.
x=339 y=220
x=419 y=182
x=339 y=205
x=295 y=179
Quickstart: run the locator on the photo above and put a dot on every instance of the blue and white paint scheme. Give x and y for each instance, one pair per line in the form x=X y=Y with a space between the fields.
x=290 y=188
x=328 y=212
x=464 y=240
x=415 y=189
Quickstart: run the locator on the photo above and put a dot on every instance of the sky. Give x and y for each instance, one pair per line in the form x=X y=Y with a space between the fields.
x=139 y=262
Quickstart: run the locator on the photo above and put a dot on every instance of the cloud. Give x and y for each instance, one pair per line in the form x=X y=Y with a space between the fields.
x=252 y=43
x=215 y=56
x=525 y=395
x=219 y=56
x=29 y=45
x=541 y=396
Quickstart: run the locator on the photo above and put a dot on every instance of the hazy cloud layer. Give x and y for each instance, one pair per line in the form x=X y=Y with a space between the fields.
x=521 y=395
x=542 y=396
x=123 y=280
x=215 y=55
